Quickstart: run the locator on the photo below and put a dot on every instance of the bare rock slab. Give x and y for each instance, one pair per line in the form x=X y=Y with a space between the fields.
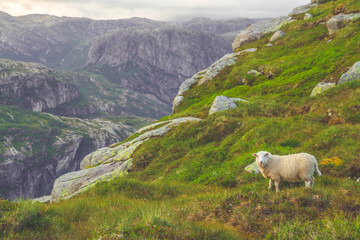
x=257 y=30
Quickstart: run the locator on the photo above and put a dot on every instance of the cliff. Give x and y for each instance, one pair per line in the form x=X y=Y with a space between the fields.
x=36 y=148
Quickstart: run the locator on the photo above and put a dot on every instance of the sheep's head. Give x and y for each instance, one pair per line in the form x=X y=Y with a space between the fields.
x=262 y=158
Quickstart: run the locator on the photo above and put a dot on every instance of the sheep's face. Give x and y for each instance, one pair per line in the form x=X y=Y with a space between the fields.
x=262 y=158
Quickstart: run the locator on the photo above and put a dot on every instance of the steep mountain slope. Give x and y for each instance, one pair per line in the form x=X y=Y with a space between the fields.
x=154 y=61
x=138 y=56
x=190 y=182
x=34 y=86
x=83 y=94
x=36 y=148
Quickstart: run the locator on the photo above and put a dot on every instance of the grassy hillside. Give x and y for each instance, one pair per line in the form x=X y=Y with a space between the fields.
x=191 y=183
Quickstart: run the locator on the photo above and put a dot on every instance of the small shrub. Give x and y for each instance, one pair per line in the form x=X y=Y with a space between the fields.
x=340 y=9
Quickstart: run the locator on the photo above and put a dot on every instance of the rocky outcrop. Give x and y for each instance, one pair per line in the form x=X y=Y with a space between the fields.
x=154 y=61
x=352 y=75
x=109 y=162
x=321 y=87
x=37 y=148
x=73 y=183
x=277 y=35
x=339 y=21
x=34 y=86
x=302 y=9
x=258 y=30
x=207 y=74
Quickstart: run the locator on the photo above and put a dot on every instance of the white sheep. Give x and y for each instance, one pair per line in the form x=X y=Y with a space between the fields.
x=289 y=168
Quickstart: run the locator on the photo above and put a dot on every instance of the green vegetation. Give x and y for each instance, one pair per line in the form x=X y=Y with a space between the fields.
x=191 y=183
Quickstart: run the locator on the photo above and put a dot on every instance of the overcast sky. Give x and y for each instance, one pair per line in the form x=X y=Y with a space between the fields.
x=153 y=9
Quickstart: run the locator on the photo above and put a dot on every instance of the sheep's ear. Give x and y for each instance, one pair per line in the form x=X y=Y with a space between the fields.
x=254 y=154
x=266 y=154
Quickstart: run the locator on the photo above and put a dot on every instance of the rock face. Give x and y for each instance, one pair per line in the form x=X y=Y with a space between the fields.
x=109 y=162
x=221 y=103
x=277 y=35
x=37 y=148
x=258 y=30
x=352 y=75
x=34 y=86
x=154 y=61
x=321 y=87
x=339 y=21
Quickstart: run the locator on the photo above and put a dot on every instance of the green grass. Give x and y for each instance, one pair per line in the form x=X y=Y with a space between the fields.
x=191 y=183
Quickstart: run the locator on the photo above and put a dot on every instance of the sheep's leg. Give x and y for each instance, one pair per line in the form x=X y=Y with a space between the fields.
x=312 y=180
x=308 y=183
x=277 y=186
x=270 y=184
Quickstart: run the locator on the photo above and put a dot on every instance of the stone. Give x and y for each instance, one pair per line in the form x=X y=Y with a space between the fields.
x=339 y=21
x=277 y=35
x=269 y=45
x=307 y=16
x=238 y=100
x=73 y=183
x=352 y=75
x=221 y=103
x=257 y=30
x=254 y=73
x=44 y=199
x=252 y=168
x=321 y=87
x=302 y=9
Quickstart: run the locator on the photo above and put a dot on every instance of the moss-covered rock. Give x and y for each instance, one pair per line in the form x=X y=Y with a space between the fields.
x=321 y=87
x=352 y=75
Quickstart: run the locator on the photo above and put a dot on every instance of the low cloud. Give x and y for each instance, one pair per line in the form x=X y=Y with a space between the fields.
x=153 y=9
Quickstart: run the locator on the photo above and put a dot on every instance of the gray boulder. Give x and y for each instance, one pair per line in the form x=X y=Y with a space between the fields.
x=257 y=30
x=254 y=73
x=277 y=35
x=221 y=103
x=252 y=168
x=339 y=21
x=307 y=16
x=321 y=87
x=352 y=75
